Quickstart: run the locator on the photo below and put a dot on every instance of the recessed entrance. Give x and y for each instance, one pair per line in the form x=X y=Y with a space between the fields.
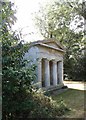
x=43 y=73
x=51 y=72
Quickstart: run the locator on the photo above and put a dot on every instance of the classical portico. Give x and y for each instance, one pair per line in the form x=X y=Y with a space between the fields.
x=48 y=56
x=50 y=72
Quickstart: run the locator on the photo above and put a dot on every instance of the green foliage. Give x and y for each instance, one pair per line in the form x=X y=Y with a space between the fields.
x=46 y=107
x=79 y=70
x=41 y=106
x=55 y=20
x=57 y=17
x=16 y=77
x=19 y=98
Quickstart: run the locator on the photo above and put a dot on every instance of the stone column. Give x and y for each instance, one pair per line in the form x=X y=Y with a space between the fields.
x=54 y=73
x=40 y=73
x=60 y=72
x=47 y=73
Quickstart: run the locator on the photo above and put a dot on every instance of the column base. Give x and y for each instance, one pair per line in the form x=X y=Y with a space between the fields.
x=58 y=90
x=51 y=88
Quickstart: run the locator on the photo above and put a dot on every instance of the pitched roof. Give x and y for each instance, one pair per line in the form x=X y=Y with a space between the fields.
x=46 y=42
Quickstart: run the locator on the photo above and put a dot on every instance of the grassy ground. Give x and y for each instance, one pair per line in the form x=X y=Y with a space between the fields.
x=74 y=99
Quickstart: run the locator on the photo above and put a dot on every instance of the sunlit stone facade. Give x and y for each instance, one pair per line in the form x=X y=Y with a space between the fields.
x=48 y=56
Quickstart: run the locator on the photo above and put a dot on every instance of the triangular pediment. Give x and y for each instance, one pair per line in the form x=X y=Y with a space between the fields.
x=51 y=43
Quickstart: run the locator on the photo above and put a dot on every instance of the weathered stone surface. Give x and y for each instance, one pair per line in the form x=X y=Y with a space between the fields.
x=48 y=56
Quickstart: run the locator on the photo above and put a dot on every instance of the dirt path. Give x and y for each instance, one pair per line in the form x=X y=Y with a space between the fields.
x=75 y=85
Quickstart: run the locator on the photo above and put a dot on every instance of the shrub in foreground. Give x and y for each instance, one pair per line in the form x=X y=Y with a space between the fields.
x=40 y=106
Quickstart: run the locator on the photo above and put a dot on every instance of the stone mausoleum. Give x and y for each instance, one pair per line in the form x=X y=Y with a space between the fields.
x=48 y=56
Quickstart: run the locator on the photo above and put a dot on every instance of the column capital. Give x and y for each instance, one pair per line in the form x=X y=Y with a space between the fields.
x=46 y=59
x=60 y=61
x=54 y=61
x=39 y=60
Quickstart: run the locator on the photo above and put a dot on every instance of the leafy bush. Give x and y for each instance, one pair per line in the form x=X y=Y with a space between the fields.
x=16 y=77
x=19 y=99
x=41 y=106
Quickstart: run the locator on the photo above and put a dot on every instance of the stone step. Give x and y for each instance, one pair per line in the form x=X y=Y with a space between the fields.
x=59 y=91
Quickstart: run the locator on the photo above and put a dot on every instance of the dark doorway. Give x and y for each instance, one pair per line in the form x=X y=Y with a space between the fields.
x=57 y=74
x=43 y=73
x=51 y=72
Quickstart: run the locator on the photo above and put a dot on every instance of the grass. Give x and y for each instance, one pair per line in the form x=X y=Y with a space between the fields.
x=74 y=99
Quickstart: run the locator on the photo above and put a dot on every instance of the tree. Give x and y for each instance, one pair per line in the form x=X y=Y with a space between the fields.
x=20 y=100
x=60 y=14
x=55 y=20
x=16 y=77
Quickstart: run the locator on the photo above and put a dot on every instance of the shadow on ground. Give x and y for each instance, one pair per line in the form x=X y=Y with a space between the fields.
x=74 y=99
